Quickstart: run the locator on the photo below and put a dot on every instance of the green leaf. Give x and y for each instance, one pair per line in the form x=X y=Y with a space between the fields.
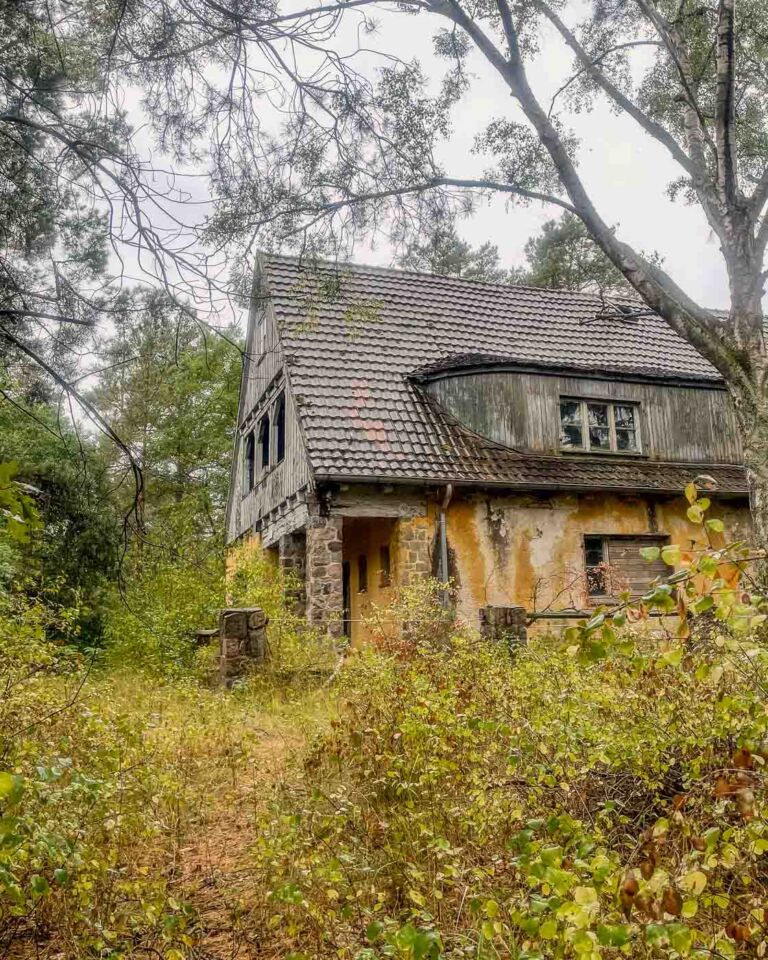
x=671 y=554
x=715 y=525
x=373 y=931
x=39 y=886
x=691 y=493
x=702 y=605
x=680 y=937
x=650 y=553
x=612 y=936
x=11 y=787
x=548 y=930
x=694 y=513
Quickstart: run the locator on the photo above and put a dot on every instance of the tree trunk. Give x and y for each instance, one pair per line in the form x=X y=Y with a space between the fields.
x=752 y=413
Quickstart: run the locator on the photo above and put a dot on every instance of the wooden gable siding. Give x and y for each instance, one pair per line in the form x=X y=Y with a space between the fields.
x=521 y=410
x=262 y=383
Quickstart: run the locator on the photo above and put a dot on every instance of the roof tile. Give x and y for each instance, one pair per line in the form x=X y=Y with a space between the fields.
x=354 y=337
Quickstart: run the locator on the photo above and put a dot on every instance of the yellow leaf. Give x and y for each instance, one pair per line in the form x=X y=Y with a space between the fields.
x=694 y=882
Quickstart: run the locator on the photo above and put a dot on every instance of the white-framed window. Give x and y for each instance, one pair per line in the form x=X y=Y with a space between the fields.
x=603 y=426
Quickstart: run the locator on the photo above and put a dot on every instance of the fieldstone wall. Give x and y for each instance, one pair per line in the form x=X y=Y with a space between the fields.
x=324 y=586
x=242 y=640
x=414 y=555
x=292 y=556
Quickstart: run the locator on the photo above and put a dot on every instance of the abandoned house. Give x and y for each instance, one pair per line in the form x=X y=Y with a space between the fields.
x=523 y=444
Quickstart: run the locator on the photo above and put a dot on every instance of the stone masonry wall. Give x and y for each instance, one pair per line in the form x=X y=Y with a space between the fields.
x=414 y=558
x=325 y=595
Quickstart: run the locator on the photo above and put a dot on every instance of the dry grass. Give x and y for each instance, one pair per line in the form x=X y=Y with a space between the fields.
x=226 y=753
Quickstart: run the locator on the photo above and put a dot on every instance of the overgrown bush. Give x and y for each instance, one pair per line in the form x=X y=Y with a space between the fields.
x=80 y=795
x=151 y=624
x=297 y=655
x=600 y=794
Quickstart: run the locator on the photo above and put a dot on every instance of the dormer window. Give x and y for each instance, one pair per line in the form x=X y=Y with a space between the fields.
x=598 y=426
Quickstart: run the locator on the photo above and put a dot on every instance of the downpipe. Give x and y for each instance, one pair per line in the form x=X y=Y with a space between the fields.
x=443 y=541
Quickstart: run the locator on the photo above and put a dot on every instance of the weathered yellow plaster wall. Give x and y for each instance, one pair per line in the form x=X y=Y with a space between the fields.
x=366 y=537
x=528 y=550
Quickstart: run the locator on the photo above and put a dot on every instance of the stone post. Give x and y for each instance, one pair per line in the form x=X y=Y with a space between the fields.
x=242 y=640
x=325 y=593
x=292 y=554
x=505 y=624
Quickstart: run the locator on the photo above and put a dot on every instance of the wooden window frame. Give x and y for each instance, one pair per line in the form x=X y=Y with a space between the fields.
x=652 y=540
x=613 y=450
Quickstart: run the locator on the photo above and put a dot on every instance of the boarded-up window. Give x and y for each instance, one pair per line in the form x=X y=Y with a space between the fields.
x=614 y=564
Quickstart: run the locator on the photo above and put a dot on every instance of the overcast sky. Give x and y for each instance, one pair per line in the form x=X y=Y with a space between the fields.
x=626 y=172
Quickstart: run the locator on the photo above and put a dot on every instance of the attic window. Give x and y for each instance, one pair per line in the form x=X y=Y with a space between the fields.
x=264 y=443
x=280 y=428
x=599 y=426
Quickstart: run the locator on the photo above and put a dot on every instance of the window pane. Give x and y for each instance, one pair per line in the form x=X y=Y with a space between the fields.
x=626 y=439
x=624 y=417
x=600 y=438
x=597 y=414
x=599 y=431
x=570 y=424
x=594 y=562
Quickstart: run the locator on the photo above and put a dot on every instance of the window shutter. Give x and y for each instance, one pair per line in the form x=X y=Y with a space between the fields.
x=628 y=569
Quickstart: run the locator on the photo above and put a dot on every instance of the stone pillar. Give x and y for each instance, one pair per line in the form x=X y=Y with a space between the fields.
x=292 y=555
x=413 y=549
x=505 y=624
x=242 y=640
x=324 y=584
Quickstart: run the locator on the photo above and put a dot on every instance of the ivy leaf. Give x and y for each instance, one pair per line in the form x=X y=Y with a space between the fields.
x=691 y=493
x=715 y=525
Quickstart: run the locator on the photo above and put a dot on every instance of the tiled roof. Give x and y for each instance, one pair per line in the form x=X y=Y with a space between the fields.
x=355 y=336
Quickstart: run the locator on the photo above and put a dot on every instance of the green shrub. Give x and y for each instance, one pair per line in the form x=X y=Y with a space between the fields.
x=80 y=795
x=151 y=625
x=596 y=795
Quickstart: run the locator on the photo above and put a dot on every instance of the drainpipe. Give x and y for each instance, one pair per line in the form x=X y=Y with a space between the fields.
x=444 y=542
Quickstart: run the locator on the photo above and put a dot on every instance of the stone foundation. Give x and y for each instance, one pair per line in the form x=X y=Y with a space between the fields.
x=324 y=586
x=242 y=640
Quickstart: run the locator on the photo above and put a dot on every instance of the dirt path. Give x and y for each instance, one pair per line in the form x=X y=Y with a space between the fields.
x=213 y=870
